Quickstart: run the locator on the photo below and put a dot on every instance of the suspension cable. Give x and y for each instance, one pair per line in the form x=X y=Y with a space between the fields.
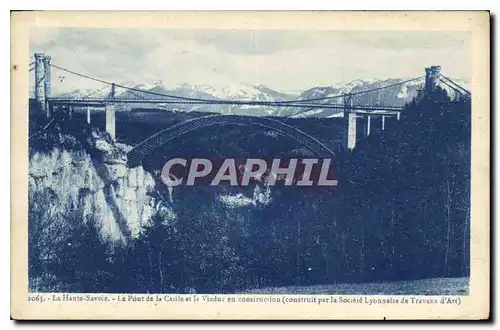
x=233 y=101
x=358 y=93
x=454 y=83
x=82 y=75
x=452 y=87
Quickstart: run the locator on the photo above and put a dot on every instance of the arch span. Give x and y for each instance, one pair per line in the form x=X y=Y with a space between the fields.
x=145 y=147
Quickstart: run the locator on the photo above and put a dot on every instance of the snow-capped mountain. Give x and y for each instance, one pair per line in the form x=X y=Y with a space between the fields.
x=394 y=95
x=87 y=93
x=242 y=92
x=235 y=92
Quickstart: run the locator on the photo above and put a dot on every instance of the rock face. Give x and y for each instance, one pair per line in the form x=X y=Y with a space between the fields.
x=99 y=187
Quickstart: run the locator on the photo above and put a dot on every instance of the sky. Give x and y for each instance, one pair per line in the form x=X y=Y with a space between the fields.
x=284 y=60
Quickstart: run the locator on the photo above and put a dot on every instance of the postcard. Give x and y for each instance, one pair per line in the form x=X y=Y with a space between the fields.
x=250 y=165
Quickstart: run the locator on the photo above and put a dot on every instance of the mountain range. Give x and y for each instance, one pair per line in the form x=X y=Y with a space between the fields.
x=395 y=95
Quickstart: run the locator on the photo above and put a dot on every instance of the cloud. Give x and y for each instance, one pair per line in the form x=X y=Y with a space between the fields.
x=406 y=40
x=282 y=60
x=252 y=42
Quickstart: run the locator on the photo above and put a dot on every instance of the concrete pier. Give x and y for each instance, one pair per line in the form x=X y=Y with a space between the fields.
x=368 y=123
x=88 y=115
x=351 y=130
x=110 y=113
x=110 y=120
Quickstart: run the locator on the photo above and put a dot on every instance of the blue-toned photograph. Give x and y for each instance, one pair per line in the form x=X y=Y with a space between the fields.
x=249 y=161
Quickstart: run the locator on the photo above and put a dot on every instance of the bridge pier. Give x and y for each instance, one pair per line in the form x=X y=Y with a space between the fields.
x=383 y=123
x=368 y=121
x=88 y=115
x=110 y=120
x=110 y=113
x=350 y=118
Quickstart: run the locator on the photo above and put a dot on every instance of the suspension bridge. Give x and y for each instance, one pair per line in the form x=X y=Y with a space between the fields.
x=353 y=105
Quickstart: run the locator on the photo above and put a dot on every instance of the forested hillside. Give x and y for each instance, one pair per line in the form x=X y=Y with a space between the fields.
x=401 y=211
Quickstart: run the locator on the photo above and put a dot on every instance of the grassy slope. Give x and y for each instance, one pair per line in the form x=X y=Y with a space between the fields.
x=433 y=286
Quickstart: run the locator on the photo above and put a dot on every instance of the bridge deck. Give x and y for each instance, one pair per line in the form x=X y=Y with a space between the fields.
x=102 y=102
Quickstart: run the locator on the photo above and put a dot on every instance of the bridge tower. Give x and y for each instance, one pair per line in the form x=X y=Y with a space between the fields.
x=39 y=88
x=351 y=120
x=43 y=82
x=110 y=113
x=47 y=83
x=432 y=77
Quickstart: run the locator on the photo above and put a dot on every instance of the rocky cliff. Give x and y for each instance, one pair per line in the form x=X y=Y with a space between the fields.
x=96 y=183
